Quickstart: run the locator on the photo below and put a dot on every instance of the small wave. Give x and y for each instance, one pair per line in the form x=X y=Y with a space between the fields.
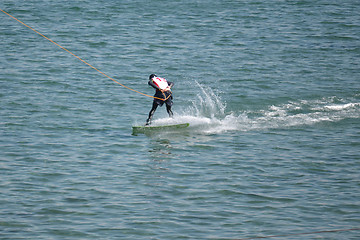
x=338 y=107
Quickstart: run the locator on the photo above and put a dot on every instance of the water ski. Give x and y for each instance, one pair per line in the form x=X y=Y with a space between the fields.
x=149 y=128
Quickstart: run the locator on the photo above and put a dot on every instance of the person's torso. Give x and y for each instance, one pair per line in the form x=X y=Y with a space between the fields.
x=160 y=82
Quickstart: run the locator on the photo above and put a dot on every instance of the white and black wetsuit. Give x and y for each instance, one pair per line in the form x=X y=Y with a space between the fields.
x=160 y=84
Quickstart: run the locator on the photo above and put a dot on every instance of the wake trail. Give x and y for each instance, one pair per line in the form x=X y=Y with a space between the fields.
x=207 y=114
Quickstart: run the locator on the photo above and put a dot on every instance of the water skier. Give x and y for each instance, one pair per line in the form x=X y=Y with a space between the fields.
x=163 y=95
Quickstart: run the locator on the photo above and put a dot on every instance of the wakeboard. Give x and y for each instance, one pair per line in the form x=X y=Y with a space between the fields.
x=150 y=128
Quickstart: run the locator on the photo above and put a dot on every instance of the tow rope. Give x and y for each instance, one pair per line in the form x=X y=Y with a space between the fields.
x=66 y=50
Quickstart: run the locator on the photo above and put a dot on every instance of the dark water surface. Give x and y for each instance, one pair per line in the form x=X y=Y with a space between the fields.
x=270 y=89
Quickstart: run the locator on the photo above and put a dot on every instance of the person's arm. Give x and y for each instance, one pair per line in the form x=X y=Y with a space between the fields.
x=168 y=88
x=171 y=84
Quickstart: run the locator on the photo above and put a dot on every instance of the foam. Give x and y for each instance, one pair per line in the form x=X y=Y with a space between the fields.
x=339 y=107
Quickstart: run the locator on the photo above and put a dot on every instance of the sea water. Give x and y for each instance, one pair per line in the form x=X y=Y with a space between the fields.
x=270 y=89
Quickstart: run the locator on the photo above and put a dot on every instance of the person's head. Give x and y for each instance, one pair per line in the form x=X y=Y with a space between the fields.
x=152 y=76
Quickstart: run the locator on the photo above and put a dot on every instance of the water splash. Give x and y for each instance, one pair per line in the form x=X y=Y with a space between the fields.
x=208 y=104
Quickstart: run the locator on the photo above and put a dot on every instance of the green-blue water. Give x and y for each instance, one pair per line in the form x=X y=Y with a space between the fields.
x=270 y=89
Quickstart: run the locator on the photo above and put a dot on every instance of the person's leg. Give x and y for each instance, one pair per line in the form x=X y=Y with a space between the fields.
x=151 y=113
x=168 y=109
